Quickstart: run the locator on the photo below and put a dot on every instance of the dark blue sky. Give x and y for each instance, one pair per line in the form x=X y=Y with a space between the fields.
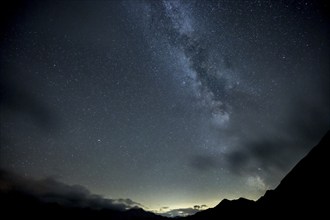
x=168 y=103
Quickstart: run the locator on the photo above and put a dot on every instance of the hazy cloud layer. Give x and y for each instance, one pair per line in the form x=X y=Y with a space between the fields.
x=183 y=211
x=53 y=191
x=204 y=162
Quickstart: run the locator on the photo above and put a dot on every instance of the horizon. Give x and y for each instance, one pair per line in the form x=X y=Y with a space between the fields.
x=77 y=196
x=168 y=105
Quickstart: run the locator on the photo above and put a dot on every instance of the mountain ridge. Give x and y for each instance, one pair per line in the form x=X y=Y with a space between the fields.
x=301 y=193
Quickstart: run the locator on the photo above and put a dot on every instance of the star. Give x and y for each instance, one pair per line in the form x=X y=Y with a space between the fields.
x=150 y=97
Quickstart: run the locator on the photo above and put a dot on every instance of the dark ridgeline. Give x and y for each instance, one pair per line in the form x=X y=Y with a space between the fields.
x=305 y=189
x=302 y=193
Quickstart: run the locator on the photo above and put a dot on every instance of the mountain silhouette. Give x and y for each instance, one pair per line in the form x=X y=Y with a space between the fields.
x=305 y=189
x=302 y=193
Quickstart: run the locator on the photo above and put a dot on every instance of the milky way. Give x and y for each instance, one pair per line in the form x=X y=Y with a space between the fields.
x=169 y=104
x=201 y=73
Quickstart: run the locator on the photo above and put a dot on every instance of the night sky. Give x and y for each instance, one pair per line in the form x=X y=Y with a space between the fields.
x=168 y=103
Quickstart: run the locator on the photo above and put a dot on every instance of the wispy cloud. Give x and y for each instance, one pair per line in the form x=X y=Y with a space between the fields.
x=165 y=211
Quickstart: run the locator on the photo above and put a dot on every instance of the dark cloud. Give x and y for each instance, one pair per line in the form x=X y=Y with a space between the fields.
x=50 y=190
x=204 y=162
x=14 y=95
x=309 y=120
x=238 y=160
x=17 y=99
x=128 y=202
x=273 y=152
x=180 y=212
x=264 y=153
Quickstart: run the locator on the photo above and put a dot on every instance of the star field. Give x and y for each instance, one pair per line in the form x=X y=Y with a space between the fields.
x=168 y=103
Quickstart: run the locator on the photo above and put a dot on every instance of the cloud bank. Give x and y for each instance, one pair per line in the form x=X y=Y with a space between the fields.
x=182 y=211
x=49 y=190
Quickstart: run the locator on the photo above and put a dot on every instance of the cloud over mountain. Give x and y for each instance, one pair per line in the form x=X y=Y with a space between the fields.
x=49 y=190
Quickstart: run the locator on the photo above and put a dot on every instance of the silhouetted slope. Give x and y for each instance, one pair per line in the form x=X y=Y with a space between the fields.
x=302 y=193
x=304 y=189
x=226 y=208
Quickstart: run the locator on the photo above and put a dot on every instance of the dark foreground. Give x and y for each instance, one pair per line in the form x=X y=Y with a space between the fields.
x=303 y=193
